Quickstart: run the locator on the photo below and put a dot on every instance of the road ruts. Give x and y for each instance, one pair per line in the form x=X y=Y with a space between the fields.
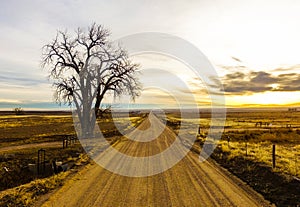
x=188 y=183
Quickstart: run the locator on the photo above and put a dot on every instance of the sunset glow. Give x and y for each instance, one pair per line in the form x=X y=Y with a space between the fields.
x=253 y=45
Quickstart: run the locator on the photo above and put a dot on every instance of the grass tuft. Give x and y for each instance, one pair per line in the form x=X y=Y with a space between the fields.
x=26 y=194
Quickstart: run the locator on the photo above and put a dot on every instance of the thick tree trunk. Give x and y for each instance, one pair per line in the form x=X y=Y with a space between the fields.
x=87 y=120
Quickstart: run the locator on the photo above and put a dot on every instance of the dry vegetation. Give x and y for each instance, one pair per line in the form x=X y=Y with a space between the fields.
x=42 y=128
x=287 y=155
x=241 y=130
x=248 y=151
x=25 y=129
x=27 y=194
x=255 y=167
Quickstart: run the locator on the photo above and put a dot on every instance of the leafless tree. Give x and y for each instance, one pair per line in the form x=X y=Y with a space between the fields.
x=18 y=111
x=87 y=66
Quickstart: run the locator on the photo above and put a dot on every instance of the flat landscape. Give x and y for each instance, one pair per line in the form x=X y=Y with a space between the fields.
x=223 y=180
x=189 y=183
x=149 y=103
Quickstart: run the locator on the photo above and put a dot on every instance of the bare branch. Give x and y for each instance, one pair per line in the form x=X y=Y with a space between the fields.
x=86 y=66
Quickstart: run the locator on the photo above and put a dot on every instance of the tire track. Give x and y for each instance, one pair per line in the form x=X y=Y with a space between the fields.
x=188 y=183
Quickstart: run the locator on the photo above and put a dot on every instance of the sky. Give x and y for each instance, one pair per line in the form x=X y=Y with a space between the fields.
x=253 y=46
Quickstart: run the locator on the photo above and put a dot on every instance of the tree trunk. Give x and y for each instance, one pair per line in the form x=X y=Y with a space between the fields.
x=99 y=98
x=98 y=102
x=87 y=121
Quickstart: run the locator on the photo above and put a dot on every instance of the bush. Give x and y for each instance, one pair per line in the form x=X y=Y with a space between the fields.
x=18 y=111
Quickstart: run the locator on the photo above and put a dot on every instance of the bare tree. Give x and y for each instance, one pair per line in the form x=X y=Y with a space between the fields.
x=87 y=66
x=18 y=111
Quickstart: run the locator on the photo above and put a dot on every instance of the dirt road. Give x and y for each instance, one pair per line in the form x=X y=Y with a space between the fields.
x=188 y=183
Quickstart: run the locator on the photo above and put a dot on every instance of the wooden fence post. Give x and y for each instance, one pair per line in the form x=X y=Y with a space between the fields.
x=41 y=161
x=296 y=170
x=273 y=156
x=228 y=140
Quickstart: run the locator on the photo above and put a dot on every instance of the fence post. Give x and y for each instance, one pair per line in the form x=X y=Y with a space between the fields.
x=228 y=140
x=296 y=170
x=66 y=142
x=41 y=160
x=273 y=156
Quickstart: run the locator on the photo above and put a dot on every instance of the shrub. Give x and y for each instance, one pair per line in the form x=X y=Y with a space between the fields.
x=18 y=111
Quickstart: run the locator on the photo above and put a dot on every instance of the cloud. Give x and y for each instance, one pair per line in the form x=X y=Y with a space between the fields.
x=8 y=80
x=236 y=59
x=27 y=26
x=288 y=68
x=289 y=82
x=240 y=83
x=262 y=78
x=237 y=75
x=240 y=88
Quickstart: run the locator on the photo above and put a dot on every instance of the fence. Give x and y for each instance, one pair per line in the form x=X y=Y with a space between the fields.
x=68 y=141
x=281 y=157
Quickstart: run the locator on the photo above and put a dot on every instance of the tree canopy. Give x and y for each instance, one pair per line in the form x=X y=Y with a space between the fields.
x=87 y=66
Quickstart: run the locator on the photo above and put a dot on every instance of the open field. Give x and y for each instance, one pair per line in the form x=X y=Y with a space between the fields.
x=240 y=129
x=246 y=150
x=22 y=136
x=28 y=129
x=188 y=183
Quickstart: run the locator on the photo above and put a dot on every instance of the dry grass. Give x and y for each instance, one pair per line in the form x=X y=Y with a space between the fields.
x=27 y=194
x=238 y=124
x=18 y=130
x=287 y=156
x=33 y=129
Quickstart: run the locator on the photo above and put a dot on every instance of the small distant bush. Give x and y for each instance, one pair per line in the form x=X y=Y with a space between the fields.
x=18 y=111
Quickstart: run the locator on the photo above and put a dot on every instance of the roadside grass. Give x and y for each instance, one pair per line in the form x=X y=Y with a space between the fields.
x=27 y=194
x=120 y=125
x=136 y=121
x=29 y=129
x=277 y=185
x=14 y=164
x=287 y=156
x=259 y=143
x=280 y=185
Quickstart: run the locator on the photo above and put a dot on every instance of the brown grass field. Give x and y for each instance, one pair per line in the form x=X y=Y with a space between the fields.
x=247 y=153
